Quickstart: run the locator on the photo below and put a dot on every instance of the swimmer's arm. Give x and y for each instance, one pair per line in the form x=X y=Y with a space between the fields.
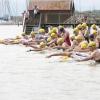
x=34 y=50
x=58 y=47
x=59 y=54
x=38 y=49
x=81 y=55
x=51 y=42
x=69 y=49
x=74 y=44
x=88 y=58
x=80 y=50
x=39 y=40
x=85 y=59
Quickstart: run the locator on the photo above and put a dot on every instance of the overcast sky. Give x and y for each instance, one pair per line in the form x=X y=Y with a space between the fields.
x=18 y=6
x=82 y=5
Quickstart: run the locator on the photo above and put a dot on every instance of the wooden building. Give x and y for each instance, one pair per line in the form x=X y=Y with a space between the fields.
x=51 y=12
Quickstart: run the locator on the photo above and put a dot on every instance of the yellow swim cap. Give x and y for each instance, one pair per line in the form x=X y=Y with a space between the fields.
x=23 y=34
x=32 y=33
x=84 y=25
x=92 y=44
x=64 y=58
x=53 y=35
x=54 y=29
x=76 y=30
x=16 y=42
x=79 y=37
x=41 y=30
x=18 y=37
x=42 y=45
x=60 y=41
x=94 y=32
x=53 y=45
x=84 y=45
x=79 y=26
x=94 y=27
x=51 y=31
x=49 y=39
x=1 y=40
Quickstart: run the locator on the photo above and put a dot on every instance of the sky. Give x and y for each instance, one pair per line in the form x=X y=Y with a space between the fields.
x=83 y=5
x=18 y=6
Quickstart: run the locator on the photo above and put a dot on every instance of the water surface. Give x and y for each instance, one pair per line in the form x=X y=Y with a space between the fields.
x=30 y=76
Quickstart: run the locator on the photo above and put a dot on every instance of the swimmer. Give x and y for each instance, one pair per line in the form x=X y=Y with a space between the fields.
x=60 y=54
x=95 y=53
x=42 y=46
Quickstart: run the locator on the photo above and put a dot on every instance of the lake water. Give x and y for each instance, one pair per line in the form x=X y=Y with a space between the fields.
x=31 y=76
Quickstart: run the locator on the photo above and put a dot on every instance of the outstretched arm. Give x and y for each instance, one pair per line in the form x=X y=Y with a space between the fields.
x=85 y=59
x=58 y=47
x=37 y=49
x=91 y=57
x=60 y=54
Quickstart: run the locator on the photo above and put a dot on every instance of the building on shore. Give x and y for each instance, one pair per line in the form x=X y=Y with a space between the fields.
x=50 y=12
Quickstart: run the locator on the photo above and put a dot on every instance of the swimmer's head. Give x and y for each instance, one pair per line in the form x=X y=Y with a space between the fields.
x=84 y=25
x=23 y=34
x=49 y=39
x=91 y=36
x=84 y=45
x=41 y=30
x=60 y=41
x=72 y=37
x=53 y=35
x=95 y=32
x=92 y=45
x=54 y=29
x=79 y=26
x=76 y=31
x=42 y=45
x=98 y=38
x=79 y=38
x=32 y=34
x=18 y=37
x=61 y=28
x=94 y=27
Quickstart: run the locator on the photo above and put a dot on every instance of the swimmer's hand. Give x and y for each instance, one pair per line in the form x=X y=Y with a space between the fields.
x=29 y=50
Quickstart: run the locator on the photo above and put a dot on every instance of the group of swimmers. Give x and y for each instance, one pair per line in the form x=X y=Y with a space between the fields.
x=83 y=39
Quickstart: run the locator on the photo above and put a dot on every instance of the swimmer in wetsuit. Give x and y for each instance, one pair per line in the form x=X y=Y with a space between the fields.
x=95 y=53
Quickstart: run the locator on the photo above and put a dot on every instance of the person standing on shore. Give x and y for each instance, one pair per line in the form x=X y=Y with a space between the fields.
x=36 y=10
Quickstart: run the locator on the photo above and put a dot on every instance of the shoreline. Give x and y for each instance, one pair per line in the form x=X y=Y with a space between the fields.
x=9 y=24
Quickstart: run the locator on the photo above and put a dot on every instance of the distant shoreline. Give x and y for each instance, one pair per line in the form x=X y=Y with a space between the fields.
x=9 y=24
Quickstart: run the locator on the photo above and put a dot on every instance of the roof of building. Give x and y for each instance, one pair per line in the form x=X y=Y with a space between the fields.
x=51 y=4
